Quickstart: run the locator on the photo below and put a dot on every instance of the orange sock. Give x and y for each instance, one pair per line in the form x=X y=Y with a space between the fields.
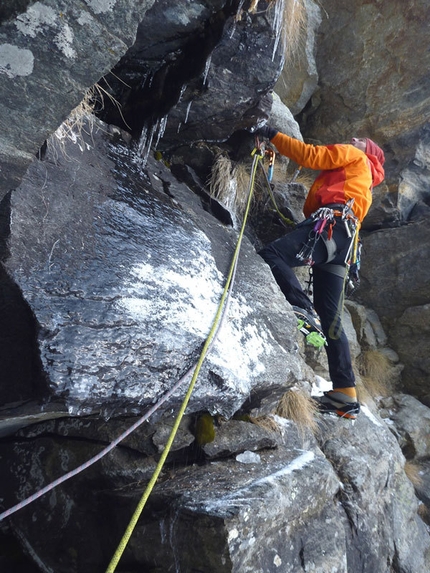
x=351 y=392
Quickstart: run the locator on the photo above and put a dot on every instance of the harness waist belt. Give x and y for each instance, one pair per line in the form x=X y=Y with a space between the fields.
x=337 y=206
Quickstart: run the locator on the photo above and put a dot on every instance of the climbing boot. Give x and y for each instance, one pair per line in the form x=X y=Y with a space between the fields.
x=339 y=404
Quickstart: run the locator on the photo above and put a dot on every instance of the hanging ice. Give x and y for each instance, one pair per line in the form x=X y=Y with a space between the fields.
x=278 y=23
x=207 y=68
x=161 y=125
x=183 y=88
x=145 y=142
x=187 y=113
x=236 y=18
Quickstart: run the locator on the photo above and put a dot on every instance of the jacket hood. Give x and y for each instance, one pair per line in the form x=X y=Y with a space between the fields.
x=378 y=173
x=376 y=158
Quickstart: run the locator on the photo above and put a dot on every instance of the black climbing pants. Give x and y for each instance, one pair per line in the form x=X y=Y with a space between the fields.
x=328 y=285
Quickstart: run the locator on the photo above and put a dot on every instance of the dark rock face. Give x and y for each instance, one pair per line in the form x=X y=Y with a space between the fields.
x=395 y=284
x=198 y=77
x=297 y=503
x=50 y=53
x=113 y=270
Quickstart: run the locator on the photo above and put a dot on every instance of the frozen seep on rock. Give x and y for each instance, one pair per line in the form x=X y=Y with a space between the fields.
x=125 y=287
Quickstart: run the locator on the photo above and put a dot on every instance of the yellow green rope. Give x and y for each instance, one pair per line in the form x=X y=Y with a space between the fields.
x=130 y=528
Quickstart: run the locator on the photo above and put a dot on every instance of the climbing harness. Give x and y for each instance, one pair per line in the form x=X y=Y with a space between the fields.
x=324 y=219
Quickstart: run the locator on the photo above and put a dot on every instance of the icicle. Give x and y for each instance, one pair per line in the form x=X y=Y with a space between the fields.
x=161 y=129
x=142 y=140
x=145 y=142
x=179 y=127
x=187 y=113
x=207 y=67
x=277 y=25
x=144 y=79
x=183 y=88
x=236 y=18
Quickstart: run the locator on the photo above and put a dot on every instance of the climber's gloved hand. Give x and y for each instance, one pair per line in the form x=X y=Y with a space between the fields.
x=266 y=132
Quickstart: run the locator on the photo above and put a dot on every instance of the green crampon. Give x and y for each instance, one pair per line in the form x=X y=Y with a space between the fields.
x=315 y=339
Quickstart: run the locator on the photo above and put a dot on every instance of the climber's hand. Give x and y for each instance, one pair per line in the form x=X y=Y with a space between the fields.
x=266 y=132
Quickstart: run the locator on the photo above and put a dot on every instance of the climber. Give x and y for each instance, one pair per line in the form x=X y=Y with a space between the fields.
x=335 y=206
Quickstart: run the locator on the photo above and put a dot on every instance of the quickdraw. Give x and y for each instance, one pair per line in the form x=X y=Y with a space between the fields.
x=271 y=155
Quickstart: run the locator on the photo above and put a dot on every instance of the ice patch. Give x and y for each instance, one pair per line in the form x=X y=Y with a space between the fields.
x=248 y=457
x=242 y=496
x=371 y=417
x=15 y=61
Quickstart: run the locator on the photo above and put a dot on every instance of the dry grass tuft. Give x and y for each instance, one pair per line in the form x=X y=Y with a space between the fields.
x=266 y=422
x=82 y=115
x=298 y=406
x=377 y=373
x=229 y=184
x=306 y=178
x=412 y=470
x=81 y=119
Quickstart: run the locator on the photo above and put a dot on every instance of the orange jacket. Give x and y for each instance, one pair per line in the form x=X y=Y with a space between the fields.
x=346 y=173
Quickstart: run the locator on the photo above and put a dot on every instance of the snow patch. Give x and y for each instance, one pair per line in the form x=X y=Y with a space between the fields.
x=186 y=301
x=320 y=386
x=240 y=344
x=175 y=16
x=64 y=40
x=85 y=19
x=297 y=464
x=232 y=534
x=191 y=302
